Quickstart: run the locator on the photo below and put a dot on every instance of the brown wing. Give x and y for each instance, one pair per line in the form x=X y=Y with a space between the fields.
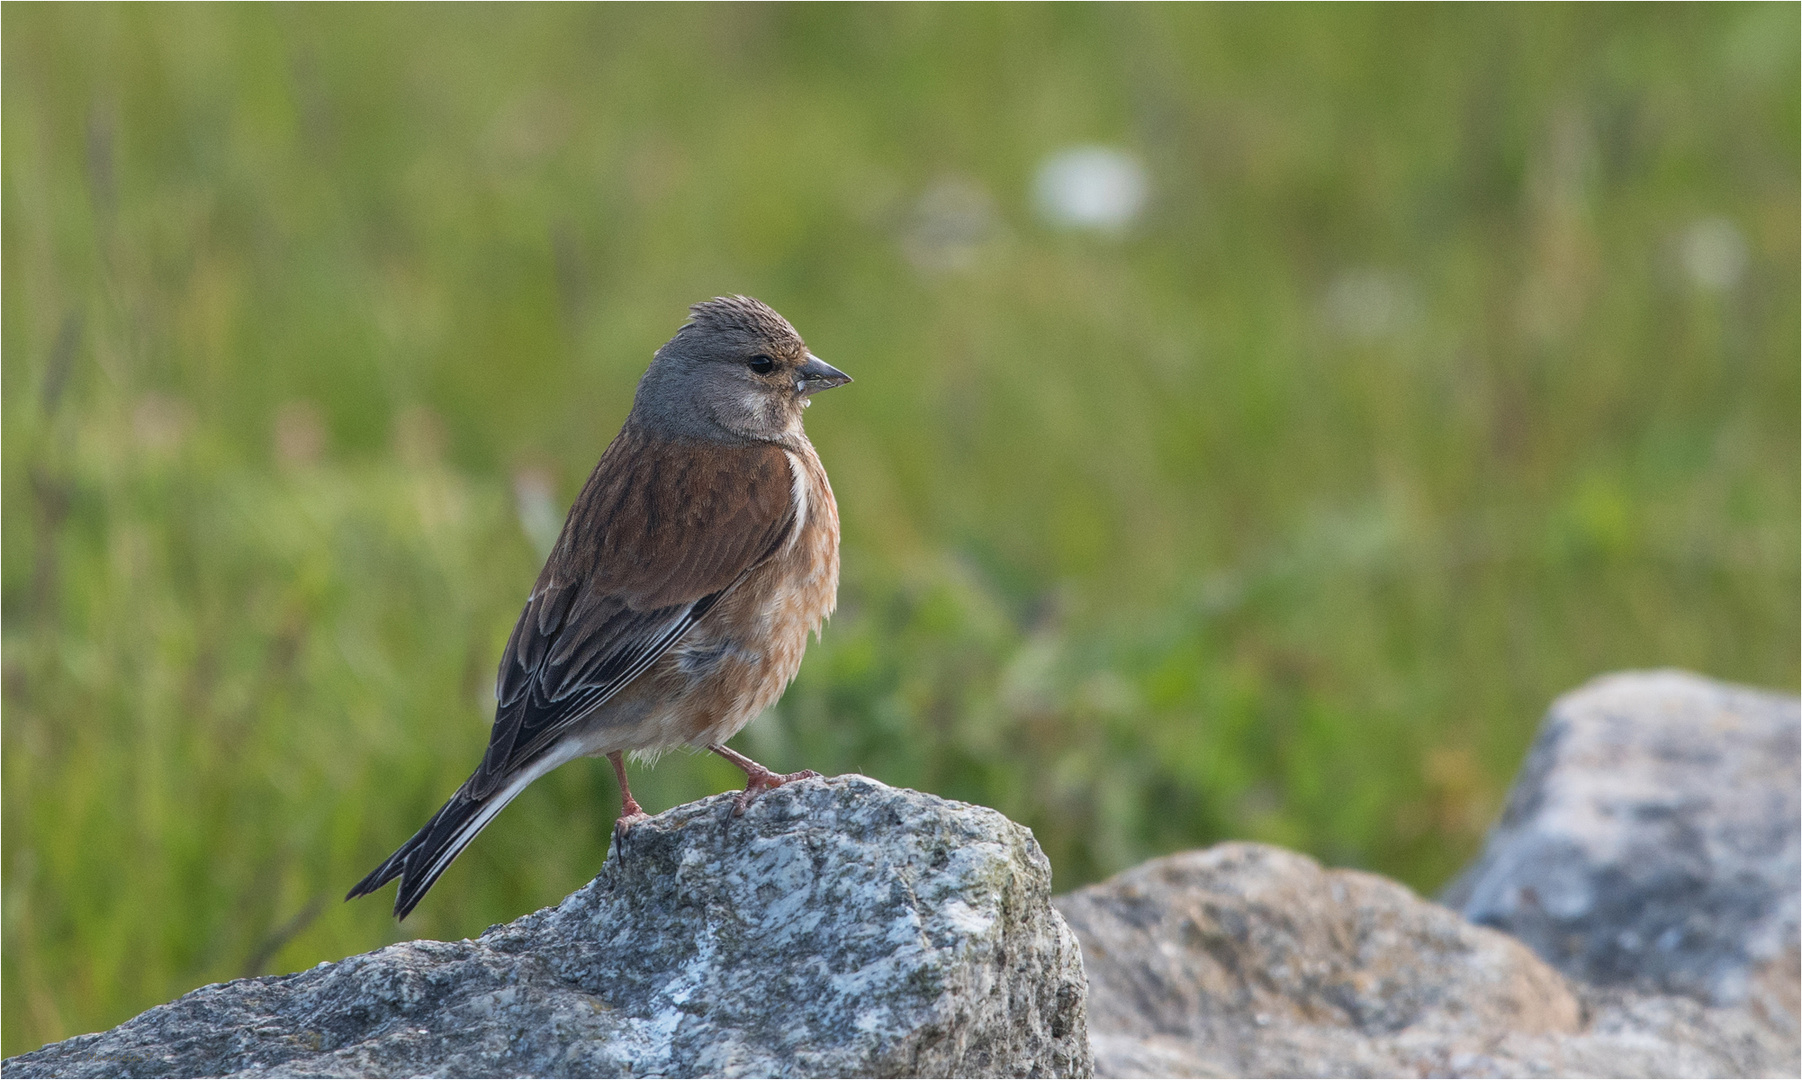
x=662 y=530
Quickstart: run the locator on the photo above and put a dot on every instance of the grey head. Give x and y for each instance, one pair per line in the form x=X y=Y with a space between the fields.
x=735 y=372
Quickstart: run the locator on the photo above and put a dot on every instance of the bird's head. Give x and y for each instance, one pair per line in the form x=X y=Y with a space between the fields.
x=736 y=371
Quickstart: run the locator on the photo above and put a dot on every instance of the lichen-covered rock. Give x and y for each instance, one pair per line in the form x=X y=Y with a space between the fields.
x=838 y=928
x=1651 y=841
x=1246 y=960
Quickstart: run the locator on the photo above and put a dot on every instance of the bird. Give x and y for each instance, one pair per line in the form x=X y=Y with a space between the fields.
x=677 y=601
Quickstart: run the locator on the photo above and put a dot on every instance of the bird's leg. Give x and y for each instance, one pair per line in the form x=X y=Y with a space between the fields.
x=630 y=813
x=757 y=778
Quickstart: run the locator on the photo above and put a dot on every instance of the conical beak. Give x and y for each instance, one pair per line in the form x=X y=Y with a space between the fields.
x=817 y=375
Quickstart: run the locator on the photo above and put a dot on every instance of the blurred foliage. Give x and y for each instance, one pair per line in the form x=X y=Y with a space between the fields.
x=1453 y=362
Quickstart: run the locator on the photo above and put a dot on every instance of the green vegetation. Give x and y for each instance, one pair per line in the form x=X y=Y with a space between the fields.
x=1453 y=362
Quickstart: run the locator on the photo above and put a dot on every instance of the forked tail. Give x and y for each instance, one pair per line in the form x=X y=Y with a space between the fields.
x=422 y=860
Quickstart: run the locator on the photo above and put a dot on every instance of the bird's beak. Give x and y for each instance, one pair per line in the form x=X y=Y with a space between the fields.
x=817 y=375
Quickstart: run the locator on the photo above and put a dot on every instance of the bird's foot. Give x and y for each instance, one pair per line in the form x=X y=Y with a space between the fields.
x=630 y=814
x=759 y=780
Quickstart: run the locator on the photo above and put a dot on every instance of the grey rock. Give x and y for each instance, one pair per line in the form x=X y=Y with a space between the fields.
x=1246 y=960
x=1651 y=841
x=839 y=928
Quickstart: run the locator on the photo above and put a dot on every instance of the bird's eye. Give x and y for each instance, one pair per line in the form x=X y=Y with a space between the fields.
x=762 y=365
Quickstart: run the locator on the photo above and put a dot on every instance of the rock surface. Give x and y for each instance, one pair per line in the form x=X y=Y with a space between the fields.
x=839 y=928
x=1651 y=841
x=1649 y=851
x=1246 y=960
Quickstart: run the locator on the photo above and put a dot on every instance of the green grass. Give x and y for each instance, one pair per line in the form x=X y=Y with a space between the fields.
x=1150 y=541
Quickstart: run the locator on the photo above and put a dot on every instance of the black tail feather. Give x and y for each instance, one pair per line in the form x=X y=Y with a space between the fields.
x=422 y=860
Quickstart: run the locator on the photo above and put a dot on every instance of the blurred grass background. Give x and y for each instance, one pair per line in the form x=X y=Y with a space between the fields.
x=1453 y=361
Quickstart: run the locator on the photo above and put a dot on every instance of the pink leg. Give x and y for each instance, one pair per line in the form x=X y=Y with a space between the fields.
x=757 y=778
x=630 y=813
